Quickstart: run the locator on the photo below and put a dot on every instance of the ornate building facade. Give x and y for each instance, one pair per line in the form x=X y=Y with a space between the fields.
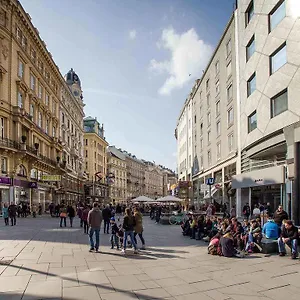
x=31 y=97
x=154 y=181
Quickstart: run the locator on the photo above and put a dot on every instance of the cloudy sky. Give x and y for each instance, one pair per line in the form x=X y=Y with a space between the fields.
x=134 y=58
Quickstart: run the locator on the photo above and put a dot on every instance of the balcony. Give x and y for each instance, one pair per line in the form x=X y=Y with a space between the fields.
x=7 y=143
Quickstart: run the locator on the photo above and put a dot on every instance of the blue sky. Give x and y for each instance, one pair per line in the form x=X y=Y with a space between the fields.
x=134 y=58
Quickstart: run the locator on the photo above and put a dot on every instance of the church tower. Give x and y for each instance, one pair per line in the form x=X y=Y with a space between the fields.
x=74 y=84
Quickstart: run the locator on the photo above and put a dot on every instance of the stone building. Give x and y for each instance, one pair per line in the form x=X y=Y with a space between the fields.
x=95 y=155
x=117 y=175
x=154 y=183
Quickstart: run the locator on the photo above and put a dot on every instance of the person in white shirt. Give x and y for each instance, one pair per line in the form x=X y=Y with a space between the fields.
x=256 y=211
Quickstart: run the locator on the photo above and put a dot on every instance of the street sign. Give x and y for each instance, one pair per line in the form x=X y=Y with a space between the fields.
x=204 y=188
x=51 y=177
x=210 y=181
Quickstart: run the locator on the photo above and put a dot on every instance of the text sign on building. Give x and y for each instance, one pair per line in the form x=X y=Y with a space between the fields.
x=210 y=181
x=51 y=177
x=204 y=188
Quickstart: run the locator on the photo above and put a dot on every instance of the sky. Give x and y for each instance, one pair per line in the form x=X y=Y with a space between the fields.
x=137 y=61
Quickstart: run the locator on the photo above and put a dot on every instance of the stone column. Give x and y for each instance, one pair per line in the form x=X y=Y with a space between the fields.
x=295 y=200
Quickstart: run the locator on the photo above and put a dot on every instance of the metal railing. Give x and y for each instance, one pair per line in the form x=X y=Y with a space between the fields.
x=5 y=142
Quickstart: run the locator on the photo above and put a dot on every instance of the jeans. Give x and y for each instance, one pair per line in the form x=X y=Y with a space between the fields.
x=71 y=221
x=126 y=234
x=91 y=236
x=141 y=238
x=13 y=220
x=81 y=222
x=292 y=244
x=106 y=226
x=114 y=240
x=85 y=226
x=6 y=221
x=63 y=219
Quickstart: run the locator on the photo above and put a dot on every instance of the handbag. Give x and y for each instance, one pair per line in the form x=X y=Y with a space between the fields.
x=63 y=215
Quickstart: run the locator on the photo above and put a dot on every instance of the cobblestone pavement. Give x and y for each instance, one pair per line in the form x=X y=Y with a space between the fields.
x=48 y=262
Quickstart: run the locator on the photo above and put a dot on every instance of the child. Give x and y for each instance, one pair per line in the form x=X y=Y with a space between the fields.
x=114 y=239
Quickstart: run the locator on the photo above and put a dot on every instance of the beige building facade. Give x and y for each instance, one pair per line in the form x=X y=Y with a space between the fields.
x=154 y=181
x=95 y=155
x=117 y=175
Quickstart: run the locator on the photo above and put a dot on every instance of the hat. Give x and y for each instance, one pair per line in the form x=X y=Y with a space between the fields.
x=112 y=219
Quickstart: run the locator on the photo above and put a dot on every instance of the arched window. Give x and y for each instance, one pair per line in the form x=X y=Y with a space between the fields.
x=21 y=171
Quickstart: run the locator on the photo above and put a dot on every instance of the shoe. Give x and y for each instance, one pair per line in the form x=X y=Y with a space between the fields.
x=294 y=256
x=281 y=254
x=97 y=251
x=136 y=252
x=143 y=247
x=123 y=251
x=92 y=249
x=112 y=247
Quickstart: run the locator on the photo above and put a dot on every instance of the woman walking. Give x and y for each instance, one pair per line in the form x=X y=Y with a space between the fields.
x=71 y=214
x=128 y=226
x=84 y=218
x=138 y=228
x=5 y=214
x=63 y=215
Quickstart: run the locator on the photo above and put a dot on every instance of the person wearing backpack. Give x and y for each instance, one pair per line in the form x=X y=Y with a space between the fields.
x=128 y=226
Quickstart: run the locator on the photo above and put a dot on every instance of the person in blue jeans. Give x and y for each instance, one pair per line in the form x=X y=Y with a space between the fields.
x=128 y=226
x=289 y=236
x=94 y=221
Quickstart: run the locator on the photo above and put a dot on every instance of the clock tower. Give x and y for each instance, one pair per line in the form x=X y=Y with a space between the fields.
x=74 y=84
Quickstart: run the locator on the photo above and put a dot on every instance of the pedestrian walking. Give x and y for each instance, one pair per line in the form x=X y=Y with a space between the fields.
x=84 y=218
x=118 y=211
x=114 y=239
x=71 y=214
x=94 y=221
x=63 y=215
x=128 y=226
x=40 y=209
x=138 y=228
x=5 y=214
x=79 y=214
x=51 y=209
x=34 y=211
x=12 y=213
x=106 y=214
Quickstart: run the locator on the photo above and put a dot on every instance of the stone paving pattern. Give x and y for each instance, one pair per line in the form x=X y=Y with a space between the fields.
x=49 y=262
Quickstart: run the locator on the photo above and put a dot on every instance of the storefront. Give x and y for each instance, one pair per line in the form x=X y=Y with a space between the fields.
x=261 y=186
x=5 y=183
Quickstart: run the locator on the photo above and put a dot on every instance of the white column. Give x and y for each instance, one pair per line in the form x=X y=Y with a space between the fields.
x=238 y=203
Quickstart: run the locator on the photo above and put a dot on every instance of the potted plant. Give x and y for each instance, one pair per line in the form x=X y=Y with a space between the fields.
x=36 y=146
x=24 y=139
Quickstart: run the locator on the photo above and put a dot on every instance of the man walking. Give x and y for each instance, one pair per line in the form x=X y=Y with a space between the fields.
x=94 y=222
x=12 y=212
x=106 y=214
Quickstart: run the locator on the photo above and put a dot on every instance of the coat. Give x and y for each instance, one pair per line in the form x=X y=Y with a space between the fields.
x=95 y=218
x=138 y=228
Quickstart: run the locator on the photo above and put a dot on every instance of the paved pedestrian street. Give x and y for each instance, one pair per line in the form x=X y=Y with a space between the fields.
x=39 y=260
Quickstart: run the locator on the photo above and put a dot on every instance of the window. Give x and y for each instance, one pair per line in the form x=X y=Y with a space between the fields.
x=219 y=150
x=209 y=157
x=20 y=99
x=278 y=59
x=68 y=124
x=250 y=48
x=47 y=99
x=201 y=144
x=217 y=67
x=208 y=100
x=40 y=120
x=86 y=142
x=3 y=125
x=251 y=84
x=54 y=107
x=21 y=69
x=218 y=128
x=208 y=137
x=33 y=55
x=217 y=87
x=62 y=117
x=24 y=42
x=31 y=110
x=252 y=122
x=201 y=129
x=195 y=119
x=249 y=13
x=217 y=108
x=207 y=84
x=54 y=131
x=41 y=90
x=32 y=82
x=228 y=47
x=4 y=165
x=47 y=126
x=230 y=142
x=208 y=118
x=229 y=92
x=277 y=15
x=230 y=116
x=229 y=69
x=279 y=103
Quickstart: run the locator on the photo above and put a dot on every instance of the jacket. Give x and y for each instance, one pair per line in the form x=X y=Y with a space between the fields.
x=84 y=215
x=227 y=246
x=106 y=213
x=292 y=233
x=95 y=218
x=114 y=229
x=5 y=212
x=12 y=210
x=71 y=212
x=138 y=228
x=128 y=223
x=271 y=230
x=279 y=216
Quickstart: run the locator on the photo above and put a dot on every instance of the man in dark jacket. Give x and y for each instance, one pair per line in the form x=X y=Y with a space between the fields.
x=106 y=214
x=289 y=236
x=12 y=212
x=94 y=221
x=280 y=215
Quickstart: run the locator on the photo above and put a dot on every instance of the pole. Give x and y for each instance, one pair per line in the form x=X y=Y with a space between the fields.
x=295 y=200
x=210 y=195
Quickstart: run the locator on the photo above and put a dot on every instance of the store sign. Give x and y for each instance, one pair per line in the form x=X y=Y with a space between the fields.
x=51 y=177
x=5 y=180
x=33 y=185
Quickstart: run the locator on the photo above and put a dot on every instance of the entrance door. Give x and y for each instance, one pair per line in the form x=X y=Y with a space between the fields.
x=42 y=201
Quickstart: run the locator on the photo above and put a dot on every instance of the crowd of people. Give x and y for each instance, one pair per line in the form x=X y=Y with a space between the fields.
x=229 y=237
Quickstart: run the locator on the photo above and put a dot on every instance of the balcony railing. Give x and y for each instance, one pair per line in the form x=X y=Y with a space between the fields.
x=5 y=142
